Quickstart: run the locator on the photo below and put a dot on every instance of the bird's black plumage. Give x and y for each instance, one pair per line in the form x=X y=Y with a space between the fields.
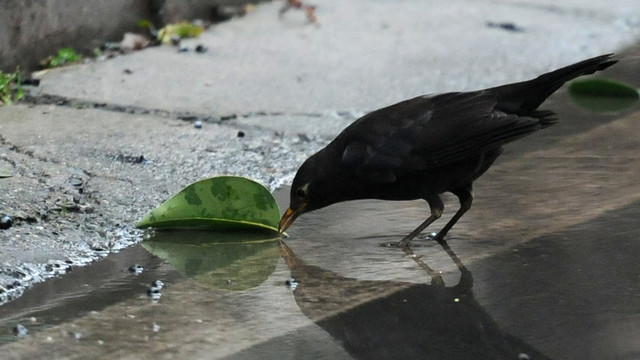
x=423 y=147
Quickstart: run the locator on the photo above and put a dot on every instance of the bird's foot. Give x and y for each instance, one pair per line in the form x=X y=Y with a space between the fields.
x=409 y=243
x=397 y=245
x=404 y=243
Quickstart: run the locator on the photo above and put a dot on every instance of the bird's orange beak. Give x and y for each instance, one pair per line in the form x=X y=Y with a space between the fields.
x=287 y=219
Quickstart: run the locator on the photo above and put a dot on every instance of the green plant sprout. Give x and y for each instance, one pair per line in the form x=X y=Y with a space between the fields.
x=10 y=87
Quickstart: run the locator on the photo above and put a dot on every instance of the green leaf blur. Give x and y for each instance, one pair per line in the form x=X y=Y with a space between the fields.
x=602 y=95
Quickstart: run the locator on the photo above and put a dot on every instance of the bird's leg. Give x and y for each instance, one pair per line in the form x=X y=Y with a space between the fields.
x=436 y=206
x=465 y=197
x=436 y=278
x=466 y=280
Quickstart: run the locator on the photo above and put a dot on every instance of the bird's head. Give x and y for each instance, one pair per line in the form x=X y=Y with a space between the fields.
x=314 y=187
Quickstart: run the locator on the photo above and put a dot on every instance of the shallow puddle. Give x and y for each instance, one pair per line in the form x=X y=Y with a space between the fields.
x=83 y=290
x=351 y=298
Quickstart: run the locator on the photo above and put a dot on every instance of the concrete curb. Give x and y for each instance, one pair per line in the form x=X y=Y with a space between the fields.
x=33 y=30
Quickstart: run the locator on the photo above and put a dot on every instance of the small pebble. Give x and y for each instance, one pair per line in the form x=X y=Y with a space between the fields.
x=5 y=222
x=77 y=182
x=430 y=236
x=291 y=283
x=175 y=40
x=197 y=124
x=240 y=134
x=20 y=330
x=183 y=48
x=201 y=49
x=87 y=209
x=154 y=290
x=154 y=294
x=506 y=26
x=136 y=269
x=523 y=356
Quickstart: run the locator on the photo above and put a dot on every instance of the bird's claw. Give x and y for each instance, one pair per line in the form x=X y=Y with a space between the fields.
x=397 y=245
x=402 y=244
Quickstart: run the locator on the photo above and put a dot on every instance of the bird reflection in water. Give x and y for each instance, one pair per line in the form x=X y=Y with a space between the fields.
x=395 y=320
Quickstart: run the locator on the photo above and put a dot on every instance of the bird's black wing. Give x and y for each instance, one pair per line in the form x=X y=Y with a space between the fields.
x=428 y=132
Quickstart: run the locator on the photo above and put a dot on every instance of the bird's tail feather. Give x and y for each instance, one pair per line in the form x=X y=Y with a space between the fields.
x=523 y=98
x=545 y=117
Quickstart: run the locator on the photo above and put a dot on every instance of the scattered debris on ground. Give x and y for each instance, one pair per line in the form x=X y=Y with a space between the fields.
x=65 y=56
x=298 y=4
x=20 y=330
x=154 y=290
x=180 y=30
x=136 y=269
x=5 y=222
x=132 y=41
x=508 y=26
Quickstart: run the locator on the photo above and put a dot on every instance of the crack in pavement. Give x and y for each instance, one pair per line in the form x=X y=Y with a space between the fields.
x=48 y=99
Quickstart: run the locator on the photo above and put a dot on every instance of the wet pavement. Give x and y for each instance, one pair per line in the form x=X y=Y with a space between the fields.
x=547 y=253
x=558 y=282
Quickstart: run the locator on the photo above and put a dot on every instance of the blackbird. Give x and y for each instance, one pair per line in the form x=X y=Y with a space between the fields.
x=425 y=146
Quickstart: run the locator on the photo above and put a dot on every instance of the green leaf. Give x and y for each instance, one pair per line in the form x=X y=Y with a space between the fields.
x=68 y=55
x=602 y=95
x=182 y=30
x=4 y=173
x=64 y=56
x=222 y=260
x=224 y=202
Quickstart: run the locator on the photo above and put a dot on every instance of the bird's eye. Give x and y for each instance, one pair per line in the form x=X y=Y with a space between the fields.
x=301 y=192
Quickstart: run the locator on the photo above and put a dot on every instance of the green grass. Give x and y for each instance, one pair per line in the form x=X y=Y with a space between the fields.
x=10 y=87
x=65 y=56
